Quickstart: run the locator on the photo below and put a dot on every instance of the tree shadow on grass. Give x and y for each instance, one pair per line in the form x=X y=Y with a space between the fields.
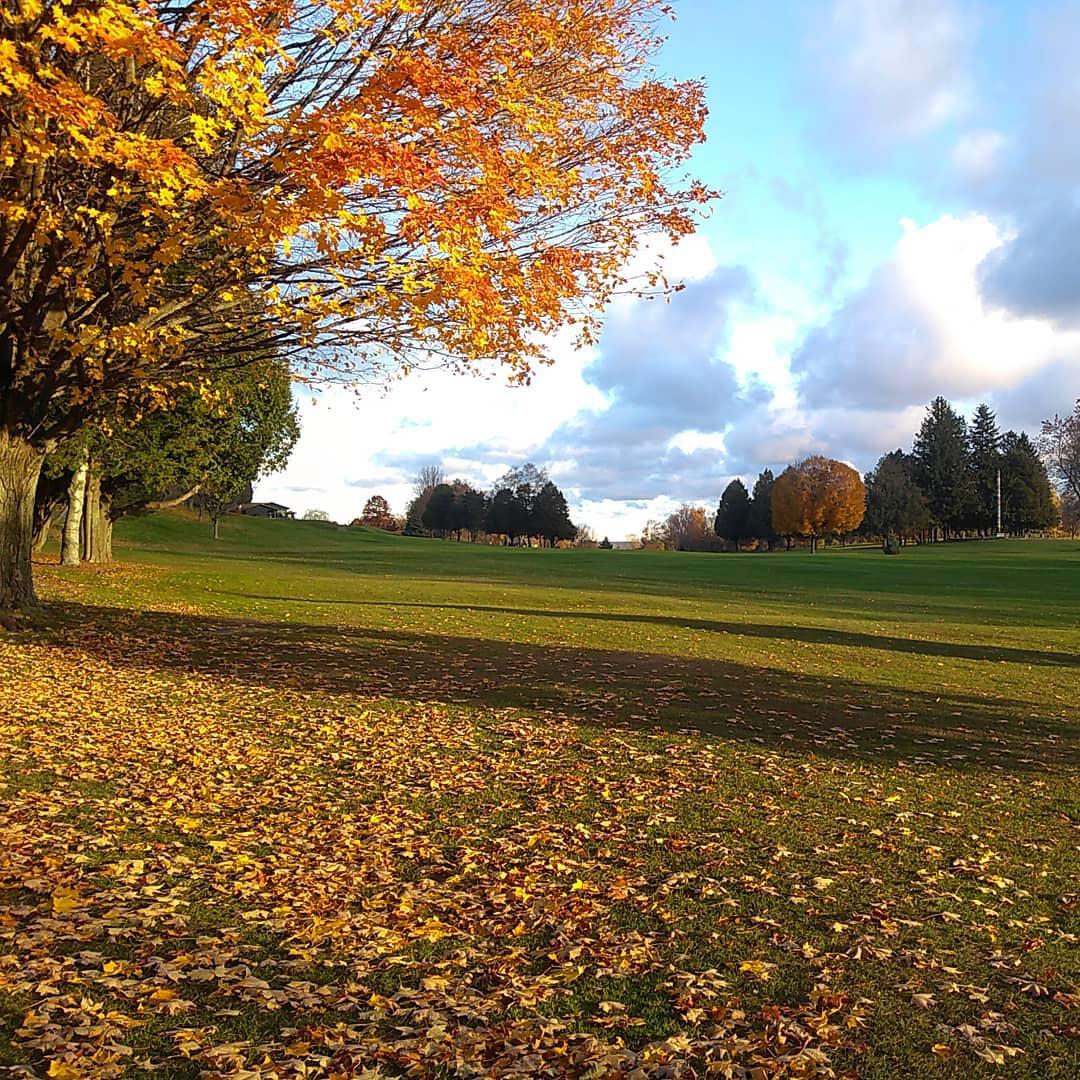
x=602 y=688
x=817 y=635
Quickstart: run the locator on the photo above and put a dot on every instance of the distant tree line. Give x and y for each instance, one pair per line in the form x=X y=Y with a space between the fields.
x=946 y=487
x=523 y=507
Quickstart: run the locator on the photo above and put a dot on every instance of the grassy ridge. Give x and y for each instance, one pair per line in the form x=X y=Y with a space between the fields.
x=312 y=801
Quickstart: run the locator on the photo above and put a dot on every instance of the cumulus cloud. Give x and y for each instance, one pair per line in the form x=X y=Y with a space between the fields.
x=1035 y=194
x=663 y=372
x=1037 y=272
x=890 y=70
x=920 y=328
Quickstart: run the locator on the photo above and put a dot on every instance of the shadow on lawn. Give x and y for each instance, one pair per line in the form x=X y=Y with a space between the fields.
x=817 y=635
x=834 y=717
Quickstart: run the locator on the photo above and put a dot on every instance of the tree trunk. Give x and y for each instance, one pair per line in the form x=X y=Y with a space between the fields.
x=40 y=534
x=69 y=542
x=97 y=524
x=20 y=467
x=217 y=535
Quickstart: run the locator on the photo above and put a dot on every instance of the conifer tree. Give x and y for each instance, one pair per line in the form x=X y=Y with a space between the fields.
x=984 y=441
x=942 y=465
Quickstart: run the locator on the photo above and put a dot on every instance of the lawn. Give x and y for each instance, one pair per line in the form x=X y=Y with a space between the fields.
x=312 y=802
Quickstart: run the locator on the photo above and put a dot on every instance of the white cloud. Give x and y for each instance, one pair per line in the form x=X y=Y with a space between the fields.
x=889 y=70
x=920 y=328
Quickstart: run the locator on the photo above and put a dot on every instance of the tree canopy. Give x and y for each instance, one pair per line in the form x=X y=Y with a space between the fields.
x=895 y=507
x=1060 y=445
x=818 y=497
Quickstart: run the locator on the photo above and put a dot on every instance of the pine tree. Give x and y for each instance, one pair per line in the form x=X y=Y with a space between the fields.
x=1026 y=496
x=733 y=513
x=894 y=504
x=984 y=440
x=550 y=518
x=942 y=466
x=761 y=525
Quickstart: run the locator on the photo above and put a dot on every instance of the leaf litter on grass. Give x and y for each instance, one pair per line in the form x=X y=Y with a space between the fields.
x=206 y=877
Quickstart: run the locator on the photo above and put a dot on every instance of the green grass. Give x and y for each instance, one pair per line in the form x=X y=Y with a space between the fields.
x=856 y=774
x=938 y=642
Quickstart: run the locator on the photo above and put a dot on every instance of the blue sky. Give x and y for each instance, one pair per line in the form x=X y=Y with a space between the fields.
x=901 y=218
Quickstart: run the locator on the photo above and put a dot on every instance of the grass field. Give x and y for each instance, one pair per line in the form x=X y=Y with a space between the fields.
x=311 y=802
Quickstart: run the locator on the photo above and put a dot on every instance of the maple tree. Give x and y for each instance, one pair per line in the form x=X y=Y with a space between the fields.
x=818 y=497
x=377 y=513
x=364 y=185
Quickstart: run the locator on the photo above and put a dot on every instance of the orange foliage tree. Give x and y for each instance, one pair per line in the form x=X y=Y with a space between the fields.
x=687 y=529
x=817 y=497
x=377 y=515
x=362 y=185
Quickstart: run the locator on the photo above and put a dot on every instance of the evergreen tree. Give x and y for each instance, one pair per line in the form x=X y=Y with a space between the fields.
x=895 y=507
x=550 y=517
x=473 y=510
x=505 y=514
x=761 y=525
x=984 y=441
x=210 y=447
x=942 y=466
x=438 y=516
x=1027 y=500
x=733 y=513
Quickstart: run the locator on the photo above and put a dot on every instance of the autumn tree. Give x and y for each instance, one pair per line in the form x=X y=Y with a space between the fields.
x=365 y=186
x=376 y=514
x=818 y=497
x=733 y=513
x=687 y=529
x=584 y=536
x=1069 y=512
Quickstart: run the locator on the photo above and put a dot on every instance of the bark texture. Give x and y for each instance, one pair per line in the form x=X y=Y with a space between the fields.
x=97 y=523
x=20 y=466
x=69 y=543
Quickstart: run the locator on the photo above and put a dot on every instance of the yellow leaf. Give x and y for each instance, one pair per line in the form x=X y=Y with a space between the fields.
x=65 y=900
x=62 y=1071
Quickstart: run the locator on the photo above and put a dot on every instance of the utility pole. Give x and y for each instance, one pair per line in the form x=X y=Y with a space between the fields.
x=999 y=532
